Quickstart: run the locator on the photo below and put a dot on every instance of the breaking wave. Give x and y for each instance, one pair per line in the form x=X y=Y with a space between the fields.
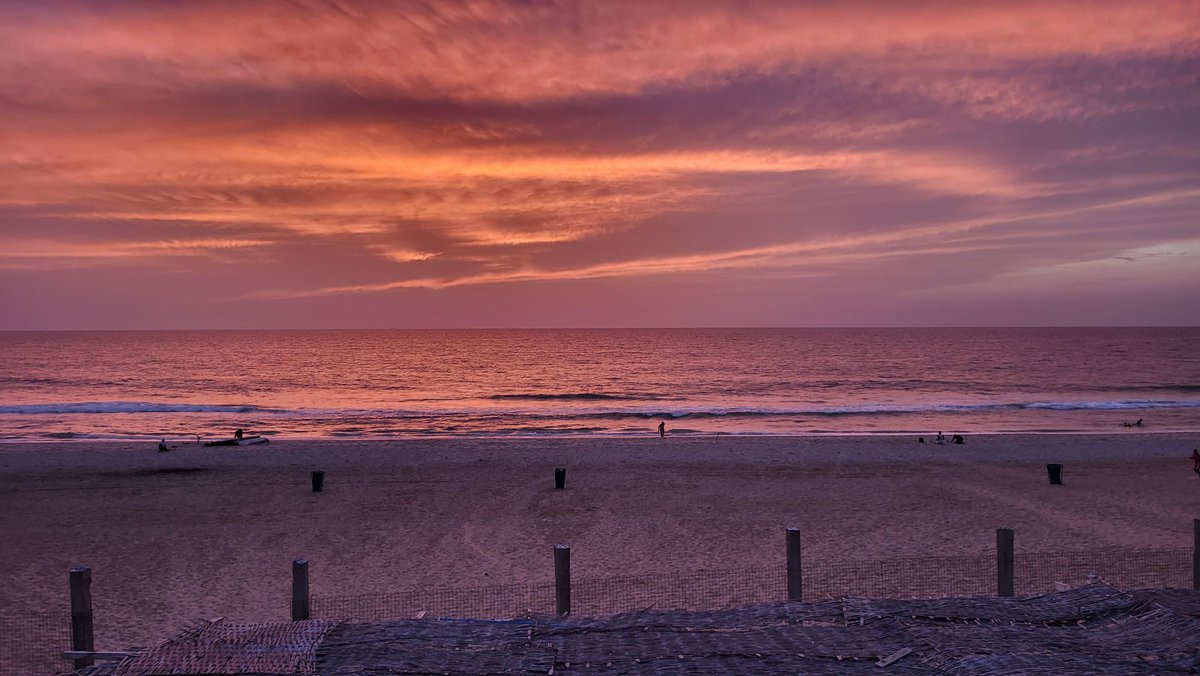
x=884 y=409
x=679 y=411
x=577 y=396
x=128 y=407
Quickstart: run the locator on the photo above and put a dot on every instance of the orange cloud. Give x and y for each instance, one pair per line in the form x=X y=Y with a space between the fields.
x=488 y=142
x=17 y=253
x=815 y=257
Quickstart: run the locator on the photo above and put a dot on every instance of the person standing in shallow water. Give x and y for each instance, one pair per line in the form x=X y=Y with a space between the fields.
x=662 y=429
x=1196 y=461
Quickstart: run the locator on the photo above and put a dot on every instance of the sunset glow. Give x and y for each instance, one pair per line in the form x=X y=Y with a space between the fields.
x=486 y=163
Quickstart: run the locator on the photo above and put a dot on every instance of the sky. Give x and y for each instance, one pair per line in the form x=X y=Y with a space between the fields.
x=324 y=164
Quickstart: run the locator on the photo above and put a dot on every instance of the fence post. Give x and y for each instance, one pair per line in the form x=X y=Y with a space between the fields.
x=82 y=634
x=795 y=577
x=1004 y=562
x=300 y=609
x=562 y=579
x=1195 y=553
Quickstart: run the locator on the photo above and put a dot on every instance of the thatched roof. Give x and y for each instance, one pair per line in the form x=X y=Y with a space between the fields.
x=1093 y=629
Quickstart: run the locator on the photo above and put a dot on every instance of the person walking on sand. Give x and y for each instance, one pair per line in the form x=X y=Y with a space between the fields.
x=662 y=429
x=1196 y=461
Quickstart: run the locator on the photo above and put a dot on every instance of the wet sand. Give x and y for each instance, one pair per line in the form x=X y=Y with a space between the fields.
x=206 y=532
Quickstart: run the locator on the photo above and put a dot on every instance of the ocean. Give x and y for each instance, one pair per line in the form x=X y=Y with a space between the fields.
x=378 y=384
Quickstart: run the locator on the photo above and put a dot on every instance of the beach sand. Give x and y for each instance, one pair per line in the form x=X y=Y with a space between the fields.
x=207 y=532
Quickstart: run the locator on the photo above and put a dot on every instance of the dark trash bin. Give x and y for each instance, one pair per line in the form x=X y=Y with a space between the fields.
x=560 y=478
x=318 y=481
x=1055 y=472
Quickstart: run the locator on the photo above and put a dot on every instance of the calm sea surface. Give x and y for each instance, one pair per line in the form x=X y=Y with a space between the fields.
x=127 y=385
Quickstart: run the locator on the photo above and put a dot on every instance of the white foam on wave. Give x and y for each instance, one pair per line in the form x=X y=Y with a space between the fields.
x=868 y=409
x=680 y=410
x=1111 y=405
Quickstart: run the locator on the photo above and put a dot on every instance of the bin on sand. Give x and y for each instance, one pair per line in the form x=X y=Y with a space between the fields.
x=1055 y=472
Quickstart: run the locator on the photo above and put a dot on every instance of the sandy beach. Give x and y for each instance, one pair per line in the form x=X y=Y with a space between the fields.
x=206 y=532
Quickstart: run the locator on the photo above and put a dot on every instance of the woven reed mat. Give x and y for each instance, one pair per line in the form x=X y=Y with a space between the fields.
x=1089 y=602
x=219 y=648
x=1182 y=601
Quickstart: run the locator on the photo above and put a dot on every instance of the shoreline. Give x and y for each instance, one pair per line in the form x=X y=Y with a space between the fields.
x=650 y=435
x=206 y=532
x=548 y=442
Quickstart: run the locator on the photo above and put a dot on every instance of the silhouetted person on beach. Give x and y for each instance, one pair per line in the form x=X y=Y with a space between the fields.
x=957 y=438
x=940 y=438
x=162 y=445
x=237 y=434
x=1138 y=423
x=1196 y=461
x=662 y=429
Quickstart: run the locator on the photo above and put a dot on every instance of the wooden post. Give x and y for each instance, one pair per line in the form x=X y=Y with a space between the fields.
x=562 y=579
x=1004 y=562
x=795 y=577
x=1196 y=554
x=82 y=631
x=300 y=590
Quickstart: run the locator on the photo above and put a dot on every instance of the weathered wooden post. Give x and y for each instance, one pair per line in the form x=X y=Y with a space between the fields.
x=562 y=579
x=795 y=577
x=300 y=610
x=1196 y=554
x=1004 y=562
x=318 y=481
x=82 y=630
x=560 y=478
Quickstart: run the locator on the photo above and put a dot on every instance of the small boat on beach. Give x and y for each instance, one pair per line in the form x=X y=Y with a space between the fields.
x=238 y=441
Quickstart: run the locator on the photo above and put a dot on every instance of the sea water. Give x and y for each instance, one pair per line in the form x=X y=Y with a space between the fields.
x=379 y=384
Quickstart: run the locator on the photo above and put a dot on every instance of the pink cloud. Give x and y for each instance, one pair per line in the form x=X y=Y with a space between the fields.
x=452 y=147
x=519 y=51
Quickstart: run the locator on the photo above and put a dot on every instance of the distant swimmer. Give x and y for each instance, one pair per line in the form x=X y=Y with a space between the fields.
x=1196 y=461
x=162 y=446
x=1138 y=423
x=237 y=434
x=662 y=429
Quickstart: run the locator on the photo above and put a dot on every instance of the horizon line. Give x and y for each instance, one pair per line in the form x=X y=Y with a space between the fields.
x=608 y=328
